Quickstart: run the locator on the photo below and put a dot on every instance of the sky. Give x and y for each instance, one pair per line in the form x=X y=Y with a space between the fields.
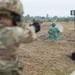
x=60 y=8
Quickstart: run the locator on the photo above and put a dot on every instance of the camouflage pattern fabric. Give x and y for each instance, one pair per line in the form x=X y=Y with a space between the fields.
x=10 y=39
x=12 y=5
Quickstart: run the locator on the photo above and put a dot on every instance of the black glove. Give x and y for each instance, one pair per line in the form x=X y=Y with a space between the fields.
x=36 y=26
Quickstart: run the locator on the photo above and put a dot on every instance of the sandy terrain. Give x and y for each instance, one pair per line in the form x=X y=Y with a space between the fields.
x=43 y=57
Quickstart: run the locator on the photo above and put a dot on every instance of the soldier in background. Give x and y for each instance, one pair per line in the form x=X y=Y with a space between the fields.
x=11 y=35
x=53 y=32
x=36 y=25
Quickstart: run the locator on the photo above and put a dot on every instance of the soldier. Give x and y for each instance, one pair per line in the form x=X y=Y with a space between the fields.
x=36 y=25
x=53 y=32
x=11 y=35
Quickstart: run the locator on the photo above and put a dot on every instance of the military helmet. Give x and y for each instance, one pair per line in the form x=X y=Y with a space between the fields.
x=12 y=5
x=53 y=24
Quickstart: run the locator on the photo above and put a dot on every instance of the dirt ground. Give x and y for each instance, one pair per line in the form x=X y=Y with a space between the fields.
x=44 y=57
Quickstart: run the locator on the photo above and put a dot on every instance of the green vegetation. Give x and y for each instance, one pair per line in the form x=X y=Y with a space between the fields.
x=47 y=18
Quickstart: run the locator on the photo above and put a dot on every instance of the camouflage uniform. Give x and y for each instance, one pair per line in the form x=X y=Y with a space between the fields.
x=11 y=37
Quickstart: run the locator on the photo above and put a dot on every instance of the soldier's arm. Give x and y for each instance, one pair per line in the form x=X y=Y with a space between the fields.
x=57 y=29
x=50 y=30
x=25 y=33
x=28 y=34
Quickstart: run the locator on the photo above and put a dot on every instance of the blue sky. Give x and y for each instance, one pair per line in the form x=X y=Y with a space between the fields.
x=51 y=7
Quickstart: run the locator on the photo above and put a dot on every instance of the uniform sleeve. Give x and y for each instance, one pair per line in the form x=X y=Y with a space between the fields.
x=24 y=35
x=28 y=34
x=50 y=30
x=57 y=29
